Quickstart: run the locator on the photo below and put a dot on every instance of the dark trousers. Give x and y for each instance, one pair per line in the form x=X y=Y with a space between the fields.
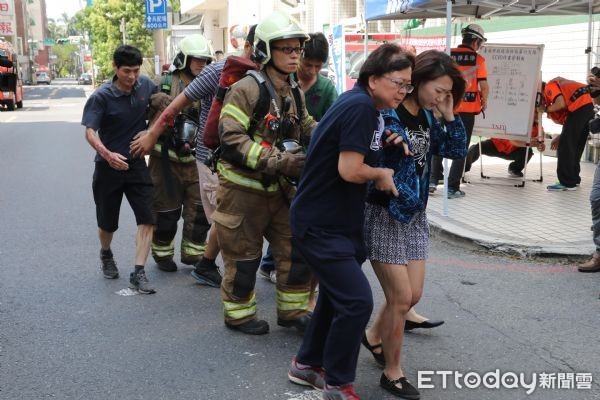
x=332 y=339
x=456 y=170
x=488 y=149
x=572 y=143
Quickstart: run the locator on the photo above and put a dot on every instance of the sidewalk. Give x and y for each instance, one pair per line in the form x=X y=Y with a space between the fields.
x=524 y=220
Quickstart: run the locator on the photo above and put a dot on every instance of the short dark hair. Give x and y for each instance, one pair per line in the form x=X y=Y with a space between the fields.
x=386 y=58
x=432 y=64
x=468 y=39
x=219 y=52
x=250 y=36
x=316 y=48
x=127 y=55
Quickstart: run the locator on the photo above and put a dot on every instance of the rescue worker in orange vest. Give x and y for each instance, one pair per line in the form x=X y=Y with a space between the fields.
x=472 y=66
x=569 y=104
x=173 y=166
x=254 y=180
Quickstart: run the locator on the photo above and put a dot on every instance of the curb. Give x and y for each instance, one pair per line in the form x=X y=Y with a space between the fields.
x=464 y=234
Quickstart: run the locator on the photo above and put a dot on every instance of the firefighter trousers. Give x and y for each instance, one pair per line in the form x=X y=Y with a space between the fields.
x=242 y=219
x=172 y=200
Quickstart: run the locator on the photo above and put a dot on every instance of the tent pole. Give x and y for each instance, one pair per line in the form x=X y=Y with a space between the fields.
x=448 y=47
x=590 y=34
x=367 y=29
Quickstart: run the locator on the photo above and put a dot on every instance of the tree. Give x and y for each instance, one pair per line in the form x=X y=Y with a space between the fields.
x=102 y=20
x=67 y=58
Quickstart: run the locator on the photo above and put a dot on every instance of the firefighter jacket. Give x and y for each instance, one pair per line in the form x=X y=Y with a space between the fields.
x=171 y=86
x=248 y=159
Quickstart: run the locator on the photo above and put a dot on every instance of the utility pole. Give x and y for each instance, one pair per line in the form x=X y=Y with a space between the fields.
x=159 y=47
x=123 y=29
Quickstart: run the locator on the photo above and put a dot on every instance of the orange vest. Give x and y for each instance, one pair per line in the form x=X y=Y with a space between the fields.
x=506 y=147
x=575 y=94
x=472 y=67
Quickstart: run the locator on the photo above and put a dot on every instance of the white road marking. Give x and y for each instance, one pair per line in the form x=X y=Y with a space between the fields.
x=127 y=292
x=250 y=354
x=307 y=395
x=11 y=119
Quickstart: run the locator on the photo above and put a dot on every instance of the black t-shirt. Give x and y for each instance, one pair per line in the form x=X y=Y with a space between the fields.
x=118 y=116
x=417 y=130
x=324 y=200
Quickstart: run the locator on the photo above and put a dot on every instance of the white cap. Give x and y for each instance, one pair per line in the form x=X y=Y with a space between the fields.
x=474 y=30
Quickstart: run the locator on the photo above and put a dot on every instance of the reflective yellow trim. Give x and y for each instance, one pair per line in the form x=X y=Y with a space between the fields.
x=173 y=155
x=287 y=301
x=239 y=310
x=163 y=251
x=192 y=249
x=253 y=155
x=237 y=114
x=244 y=181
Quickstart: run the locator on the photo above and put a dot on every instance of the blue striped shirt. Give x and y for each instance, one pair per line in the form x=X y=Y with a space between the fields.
x=204 y=88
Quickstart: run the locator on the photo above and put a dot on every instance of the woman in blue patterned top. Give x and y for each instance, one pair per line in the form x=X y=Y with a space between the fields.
x=396 y=229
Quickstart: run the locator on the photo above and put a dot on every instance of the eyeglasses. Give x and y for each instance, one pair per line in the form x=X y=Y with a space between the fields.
x=408 y=88
x=289 y=50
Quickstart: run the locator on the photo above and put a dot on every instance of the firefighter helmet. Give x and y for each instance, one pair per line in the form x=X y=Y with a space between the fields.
x=194 y=46
x=276 y=26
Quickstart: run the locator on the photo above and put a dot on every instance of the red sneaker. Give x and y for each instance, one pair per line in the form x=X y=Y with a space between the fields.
x=343 y=392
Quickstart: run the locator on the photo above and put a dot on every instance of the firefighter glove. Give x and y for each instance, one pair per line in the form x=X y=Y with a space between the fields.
x=290 y=164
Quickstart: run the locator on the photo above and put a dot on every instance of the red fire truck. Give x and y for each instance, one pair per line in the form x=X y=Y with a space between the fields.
x=11 y=86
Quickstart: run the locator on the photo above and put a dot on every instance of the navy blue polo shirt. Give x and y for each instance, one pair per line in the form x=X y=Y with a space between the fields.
x=324 y=200
x=118 y=116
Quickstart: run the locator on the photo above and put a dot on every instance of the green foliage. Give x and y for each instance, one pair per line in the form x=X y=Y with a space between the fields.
x=102 y=20
x=66 y=58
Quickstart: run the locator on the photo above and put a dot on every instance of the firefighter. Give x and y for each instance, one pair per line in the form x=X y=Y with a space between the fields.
x=173 y=167
x=256 y=180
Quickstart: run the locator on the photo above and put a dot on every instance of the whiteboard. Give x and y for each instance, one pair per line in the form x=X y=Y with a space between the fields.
x=514 y=78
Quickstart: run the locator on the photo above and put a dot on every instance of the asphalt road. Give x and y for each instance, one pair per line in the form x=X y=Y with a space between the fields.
x=67 y=333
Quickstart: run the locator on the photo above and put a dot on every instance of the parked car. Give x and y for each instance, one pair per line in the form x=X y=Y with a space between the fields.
x=85 y=79
x=43 y=77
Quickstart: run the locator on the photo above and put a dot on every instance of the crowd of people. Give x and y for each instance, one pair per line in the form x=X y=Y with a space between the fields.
x=258 y=146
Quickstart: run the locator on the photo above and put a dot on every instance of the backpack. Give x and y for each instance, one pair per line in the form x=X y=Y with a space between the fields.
x=234 y=69
x=233 y=72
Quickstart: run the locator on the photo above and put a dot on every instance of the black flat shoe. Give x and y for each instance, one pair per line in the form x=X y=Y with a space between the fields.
x=405 y=390
x=379 y=358
x=427 y=324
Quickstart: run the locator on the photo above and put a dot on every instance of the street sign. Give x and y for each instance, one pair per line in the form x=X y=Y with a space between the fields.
x=49 y=42
x=156 y=14
x=7 y=8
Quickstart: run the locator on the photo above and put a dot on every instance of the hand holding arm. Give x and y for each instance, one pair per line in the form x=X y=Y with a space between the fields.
x=352 y=169
x=115 y=160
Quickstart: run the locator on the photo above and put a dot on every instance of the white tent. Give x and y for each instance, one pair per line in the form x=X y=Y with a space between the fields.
x=409 y=9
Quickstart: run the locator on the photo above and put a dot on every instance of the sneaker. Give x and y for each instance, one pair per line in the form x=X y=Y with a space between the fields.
x=299 y=323
x=271 y=276
x=207 y=275
x=251 y=327
x=167 y=265
x=343 y=392
x=515 y=174
x=307 y=375
x=559 y=187
x=138 y=281
x=109 y=266
x=455 y=194
x=400 y=387
x=432 y=187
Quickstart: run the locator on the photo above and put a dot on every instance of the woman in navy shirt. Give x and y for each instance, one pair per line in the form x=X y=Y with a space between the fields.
x=327 y=217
